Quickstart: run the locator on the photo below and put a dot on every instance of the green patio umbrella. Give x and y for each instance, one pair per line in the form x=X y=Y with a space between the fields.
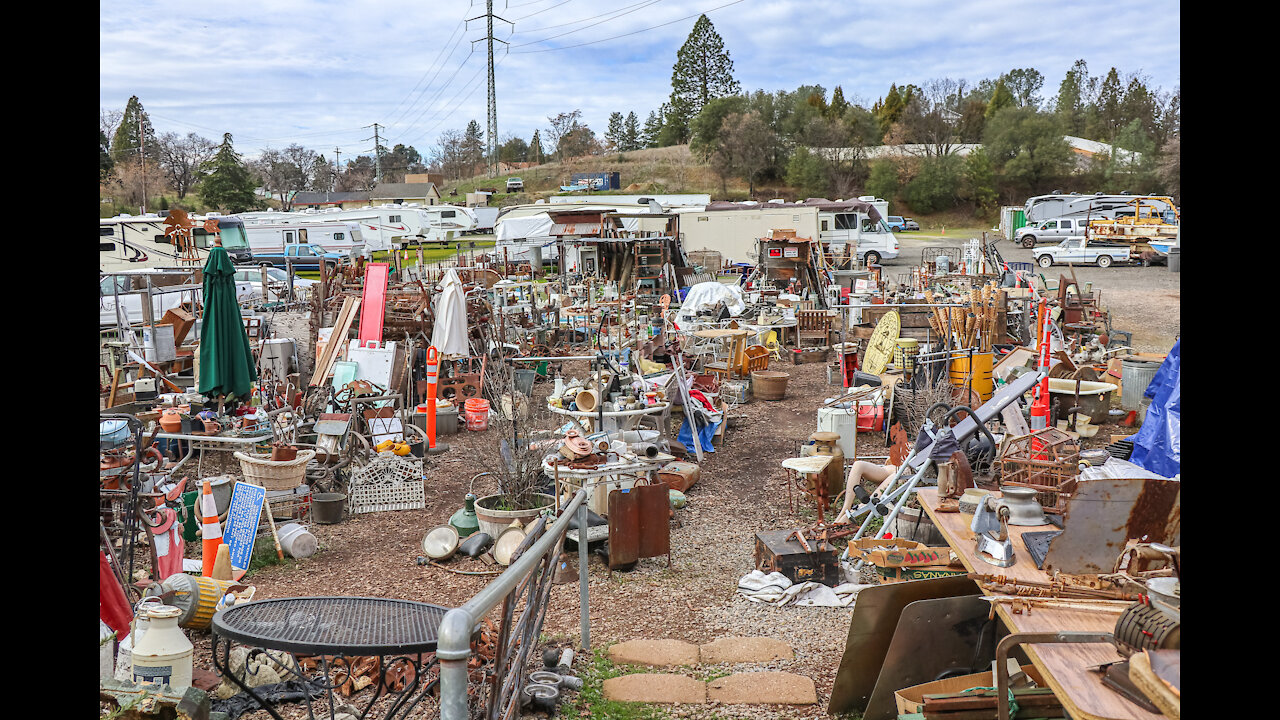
x=226 y=360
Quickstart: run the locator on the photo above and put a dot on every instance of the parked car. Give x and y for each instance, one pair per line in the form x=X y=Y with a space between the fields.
x=895 y=223
x=1075 y=250
x=249 y=284
x=515 y=184
x=1050 y=231
x=909 y=224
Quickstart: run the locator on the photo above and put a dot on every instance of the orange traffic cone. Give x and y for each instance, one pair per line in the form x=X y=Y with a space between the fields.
x=210 y=530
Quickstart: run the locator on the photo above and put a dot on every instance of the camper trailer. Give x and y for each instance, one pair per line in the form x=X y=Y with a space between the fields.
x=383 y=226
x=1098 y=206
x=733 y=228
x=138 y=242
x=336 y=237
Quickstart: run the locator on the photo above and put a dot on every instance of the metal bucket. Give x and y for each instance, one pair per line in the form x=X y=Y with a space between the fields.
x=524 y=381
x=979 y=379
x=1135 y=376
x=326 y=508
x=297 y=540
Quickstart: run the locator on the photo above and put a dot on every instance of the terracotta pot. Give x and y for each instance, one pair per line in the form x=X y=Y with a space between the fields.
x=171 y=420
x=284 y=452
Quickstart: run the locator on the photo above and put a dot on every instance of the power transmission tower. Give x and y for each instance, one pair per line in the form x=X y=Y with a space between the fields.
x=337 y=168
x=491 y=138
x=377 y=152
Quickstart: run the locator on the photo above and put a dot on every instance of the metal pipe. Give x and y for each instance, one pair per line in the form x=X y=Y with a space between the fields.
x=583 y=609
x=454 y=646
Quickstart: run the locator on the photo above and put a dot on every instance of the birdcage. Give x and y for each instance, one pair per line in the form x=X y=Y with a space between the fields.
x=1045 y=460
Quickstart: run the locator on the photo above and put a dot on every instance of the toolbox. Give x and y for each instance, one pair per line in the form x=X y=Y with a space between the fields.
x=780 y=551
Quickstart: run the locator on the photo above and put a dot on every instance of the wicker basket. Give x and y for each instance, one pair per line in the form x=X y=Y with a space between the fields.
x=275 y=474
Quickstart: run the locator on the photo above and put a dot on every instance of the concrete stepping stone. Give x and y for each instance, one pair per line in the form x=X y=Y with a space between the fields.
x=656 y=688
x=745 y=650
x=657 y=653
x=763 y=688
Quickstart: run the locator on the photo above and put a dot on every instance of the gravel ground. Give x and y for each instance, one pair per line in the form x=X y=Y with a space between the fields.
x=1143 y=300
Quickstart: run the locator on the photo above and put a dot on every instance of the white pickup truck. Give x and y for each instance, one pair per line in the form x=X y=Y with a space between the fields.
x=1076 y=250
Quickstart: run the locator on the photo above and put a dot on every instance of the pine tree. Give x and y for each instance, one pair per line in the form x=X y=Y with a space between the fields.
x=703 y=71
x=473 y=146
x=104 y=157
x=535 y=148
x=631 y=132
x=652 y=129
x=613 y=137
x=1001 y=98
x=227 y=185
x=1109 y=98
x=838 y=105
x=124 y=144
x=1071 y=102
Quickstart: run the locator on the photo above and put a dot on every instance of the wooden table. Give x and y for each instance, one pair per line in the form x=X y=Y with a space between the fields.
x=1064 y=666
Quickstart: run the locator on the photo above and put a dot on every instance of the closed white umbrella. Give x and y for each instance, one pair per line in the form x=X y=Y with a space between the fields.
x=450 y=333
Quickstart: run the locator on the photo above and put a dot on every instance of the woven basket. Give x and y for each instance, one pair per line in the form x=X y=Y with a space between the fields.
x=275 y=474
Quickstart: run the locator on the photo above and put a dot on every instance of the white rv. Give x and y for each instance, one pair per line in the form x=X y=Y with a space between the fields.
x=733 y=228
x=335 y=237
x=138 y=242
x=381 y=227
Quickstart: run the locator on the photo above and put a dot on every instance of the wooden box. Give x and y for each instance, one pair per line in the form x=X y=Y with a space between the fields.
x=897 y=552
x=918 y=572
x=775 y=553
x=801 y=357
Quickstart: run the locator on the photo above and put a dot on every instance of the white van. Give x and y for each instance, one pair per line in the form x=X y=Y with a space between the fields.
x=874 y=241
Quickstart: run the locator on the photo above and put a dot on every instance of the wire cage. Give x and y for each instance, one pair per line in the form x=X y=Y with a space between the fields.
x=1046 y=461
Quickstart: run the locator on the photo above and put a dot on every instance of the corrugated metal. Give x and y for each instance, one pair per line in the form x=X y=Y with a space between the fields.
x=560 y=229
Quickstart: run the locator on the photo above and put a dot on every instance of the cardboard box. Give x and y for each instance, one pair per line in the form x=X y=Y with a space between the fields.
x=919 y=572
x=911 y=700
x=897 y=552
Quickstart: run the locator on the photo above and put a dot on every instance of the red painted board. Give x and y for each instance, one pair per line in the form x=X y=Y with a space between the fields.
x=373 y=302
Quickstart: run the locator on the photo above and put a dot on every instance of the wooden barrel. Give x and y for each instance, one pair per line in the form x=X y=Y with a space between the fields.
x=769 y=384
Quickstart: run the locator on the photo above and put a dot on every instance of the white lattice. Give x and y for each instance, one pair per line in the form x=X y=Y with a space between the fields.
x=389 y=482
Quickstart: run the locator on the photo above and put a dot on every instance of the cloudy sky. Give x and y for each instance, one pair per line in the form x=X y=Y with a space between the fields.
x=316 y=72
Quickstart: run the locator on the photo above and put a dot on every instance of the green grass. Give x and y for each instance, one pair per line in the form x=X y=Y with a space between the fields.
x=429 y=254
x=591 y=703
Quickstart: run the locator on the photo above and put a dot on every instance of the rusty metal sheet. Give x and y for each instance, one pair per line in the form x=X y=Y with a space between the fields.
x=655 y=526
x=1105 y=513
x=624 y=527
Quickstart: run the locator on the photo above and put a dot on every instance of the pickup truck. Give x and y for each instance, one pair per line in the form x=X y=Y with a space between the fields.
x=515 y=184
x=1075 y=250
x=1050 y=231
x=305 y=256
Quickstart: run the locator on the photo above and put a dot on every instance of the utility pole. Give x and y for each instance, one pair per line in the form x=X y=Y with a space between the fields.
x=377 y=152
x=492 y=131
x=337 y=166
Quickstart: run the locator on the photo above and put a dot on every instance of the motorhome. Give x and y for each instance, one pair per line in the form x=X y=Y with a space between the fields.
x=733 y=228
x=335 y=236
x=1098 y=206
x=384 y=226
x=137 y=242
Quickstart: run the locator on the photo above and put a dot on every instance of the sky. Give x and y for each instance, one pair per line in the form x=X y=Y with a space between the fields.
x=320 y=73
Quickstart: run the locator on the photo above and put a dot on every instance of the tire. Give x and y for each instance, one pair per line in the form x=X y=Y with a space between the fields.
x=871 y=258
x=1104 y=261
x=1045 y=261
x=1028 y=241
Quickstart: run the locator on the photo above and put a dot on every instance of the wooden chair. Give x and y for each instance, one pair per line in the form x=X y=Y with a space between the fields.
x=813 y=325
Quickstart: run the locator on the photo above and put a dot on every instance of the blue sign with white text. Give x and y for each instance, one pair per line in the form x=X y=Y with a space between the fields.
x=242 y=522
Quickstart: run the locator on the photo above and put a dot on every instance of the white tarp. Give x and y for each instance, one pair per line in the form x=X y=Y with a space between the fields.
x=450 y=333
x=704 y=296
x=518 y=228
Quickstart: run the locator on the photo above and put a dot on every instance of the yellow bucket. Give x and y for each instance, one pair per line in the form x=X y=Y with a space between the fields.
x=904 y=354
x=978 y=378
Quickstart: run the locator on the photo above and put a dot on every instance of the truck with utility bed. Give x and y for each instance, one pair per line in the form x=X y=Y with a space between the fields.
x=1077 y=250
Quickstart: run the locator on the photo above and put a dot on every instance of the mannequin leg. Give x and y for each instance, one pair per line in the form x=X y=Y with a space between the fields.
x=857 y=472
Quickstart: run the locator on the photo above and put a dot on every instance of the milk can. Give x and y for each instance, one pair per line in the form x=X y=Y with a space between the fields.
x=141 y=623
x=164 y=655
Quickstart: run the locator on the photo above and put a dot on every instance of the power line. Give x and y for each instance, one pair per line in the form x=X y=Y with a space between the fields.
x=440 y=59
x=440 y=91
x=473 y=88
x=635 y=32
x=539 y=12
x=582 y=20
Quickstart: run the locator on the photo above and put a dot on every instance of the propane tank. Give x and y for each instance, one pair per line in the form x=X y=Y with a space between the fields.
x=465 y=520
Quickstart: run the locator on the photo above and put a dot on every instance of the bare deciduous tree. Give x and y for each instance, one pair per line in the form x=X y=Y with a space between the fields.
x=182 y=157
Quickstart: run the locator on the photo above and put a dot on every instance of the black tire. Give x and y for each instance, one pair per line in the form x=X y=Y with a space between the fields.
x=871 y=258
x=1028 y=241
x=1045 y=261
x=1104 y=261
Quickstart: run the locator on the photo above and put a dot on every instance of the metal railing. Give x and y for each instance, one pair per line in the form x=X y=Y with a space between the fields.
x=525 y=585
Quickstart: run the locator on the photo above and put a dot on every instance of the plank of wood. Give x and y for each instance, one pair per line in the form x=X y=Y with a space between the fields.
x=115 y=385
x=336 y=340
x=1063 y=665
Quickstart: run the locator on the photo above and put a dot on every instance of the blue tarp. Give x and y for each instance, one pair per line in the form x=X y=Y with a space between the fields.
x=1157 y=446
x=705 y=434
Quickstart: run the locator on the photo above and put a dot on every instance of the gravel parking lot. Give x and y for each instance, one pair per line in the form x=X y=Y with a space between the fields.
x=1142 y=300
